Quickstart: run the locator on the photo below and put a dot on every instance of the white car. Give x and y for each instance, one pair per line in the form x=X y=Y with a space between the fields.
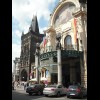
x=54 y=90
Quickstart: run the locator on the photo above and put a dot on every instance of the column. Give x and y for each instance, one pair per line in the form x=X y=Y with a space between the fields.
x=37 y=62
x=85 y=69
x=58 y=47
x=83 y=72
x=59 y=66
x=83 y=34
x=84 y=39
x=37 y=73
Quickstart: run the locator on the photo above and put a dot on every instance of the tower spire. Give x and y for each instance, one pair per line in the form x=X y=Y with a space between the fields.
x=34 y=25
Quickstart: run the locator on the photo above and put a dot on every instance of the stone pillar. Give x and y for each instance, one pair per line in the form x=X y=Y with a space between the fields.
x=84 y=39
x=59 y=66
x=58 y=47
x=37 y=72
x=37 y=62
x=83 y=34
x=83 y=72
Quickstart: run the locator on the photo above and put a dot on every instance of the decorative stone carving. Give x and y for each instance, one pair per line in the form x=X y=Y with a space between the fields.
x=58 y=38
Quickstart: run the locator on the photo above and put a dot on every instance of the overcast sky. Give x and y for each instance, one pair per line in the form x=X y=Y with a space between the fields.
x=22 y=14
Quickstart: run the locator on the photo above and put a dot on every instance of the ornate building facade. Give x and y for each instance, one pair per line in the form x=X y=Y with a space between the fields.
x=28 y=47
x=69 y=18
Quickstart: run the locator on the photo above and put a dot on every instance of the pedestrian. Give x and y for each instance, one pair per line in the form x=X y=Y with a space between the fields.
x=27 y=84
x=24 y=85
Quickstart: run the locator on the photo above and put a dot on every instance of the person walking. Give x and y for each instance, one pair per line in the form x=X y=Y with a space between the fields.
x=24 y=85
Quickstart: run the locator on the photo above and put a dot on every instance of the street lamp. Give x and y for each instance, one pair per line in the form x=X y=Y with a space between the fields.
x=37 y=61
x=58 y=47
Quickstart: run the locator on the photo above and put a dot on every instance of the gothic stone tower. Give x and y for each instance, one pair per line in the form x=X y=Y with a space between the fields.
x=28 y=47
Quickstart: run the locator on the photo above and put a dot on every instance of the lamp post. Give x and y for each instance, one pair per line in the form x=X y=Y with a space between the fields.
x=37 y=61
x=58 y=47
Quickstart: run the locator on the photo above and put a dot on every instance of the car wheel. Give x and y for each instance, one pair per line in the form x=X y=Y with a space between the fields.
x=39 y=93
x=82 y=95
x=30 y=93
x=46 y=95
x=68 y=96
x=58 y=94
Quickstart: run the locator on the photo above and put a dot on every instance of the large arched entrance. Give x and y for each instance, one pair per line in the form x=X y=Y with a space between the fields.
x=71 y=71
x=24 y=75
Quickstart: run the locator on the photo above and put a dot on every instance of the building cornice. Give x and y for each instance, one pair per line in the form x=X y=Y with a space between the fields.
x=50 y=29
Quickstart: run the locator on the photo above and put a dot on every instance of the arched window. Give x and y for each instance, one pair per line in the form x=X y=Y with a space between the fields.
x=68 y=42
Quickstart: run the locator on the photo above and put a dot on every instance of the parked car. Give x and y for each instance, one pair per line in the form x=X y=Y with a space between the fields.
x=54 y=90
x=76 y=91
x=35 y=88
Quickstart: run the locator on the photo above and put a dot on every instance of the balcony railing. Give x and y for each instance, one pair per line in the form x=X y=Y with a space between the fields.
x=68 y=51
x=67 y=47
x=73 y=47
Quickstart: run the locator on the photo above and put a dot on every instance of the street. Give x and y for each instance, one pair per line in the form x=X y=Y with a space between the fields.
x=21 y=95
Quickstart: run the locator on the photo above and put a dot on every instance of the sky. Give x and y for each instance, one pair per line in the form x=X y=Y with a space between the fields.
x=22 y=14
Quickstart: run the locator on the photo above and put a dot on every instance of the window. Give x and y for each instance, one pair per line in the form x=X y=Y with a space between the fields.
x=68 y=42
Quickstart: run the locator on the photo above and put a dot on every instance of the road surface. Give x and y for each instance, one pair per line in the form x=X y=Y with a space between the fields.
x=22 y=95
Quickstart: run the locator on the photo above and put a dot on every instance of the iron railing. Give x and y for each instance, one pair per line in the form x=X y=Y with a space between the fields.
x=66 y=47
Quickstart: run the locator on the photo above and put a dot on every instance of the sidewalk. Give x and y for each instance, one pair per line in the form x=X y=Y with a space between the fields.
x=20 y=90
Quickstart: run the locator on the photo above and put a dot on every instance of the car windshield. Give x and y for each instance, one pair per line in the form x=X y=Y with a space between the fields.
x=73 y=86
x=32 y=86
x=52 y=86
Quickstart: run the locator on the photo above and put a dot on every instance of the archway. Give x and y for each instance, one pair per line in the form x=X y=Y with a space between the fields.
x=24 y=75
